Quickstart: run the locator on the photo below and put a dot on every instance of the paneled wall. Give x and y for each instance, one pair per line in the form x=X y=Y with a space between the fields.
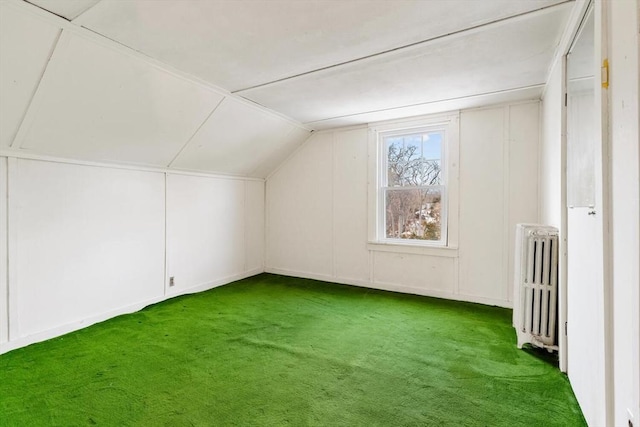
x=551 y=150
x=4 y=331
x=214 y=228
x=87 y=242
x=317 y=211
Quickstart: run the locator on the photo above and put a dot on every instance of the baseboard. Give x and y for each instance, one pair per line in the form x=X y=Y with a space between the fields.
x=132 y=308
x=393 y=287
x=215 y=283
x=74 y=326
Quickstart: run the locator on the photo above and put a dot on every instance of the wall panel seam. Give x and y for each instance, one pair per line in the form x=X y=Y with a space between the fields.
x=12 y=249
x=333 y=204
x=506 y=221
x=166 y=235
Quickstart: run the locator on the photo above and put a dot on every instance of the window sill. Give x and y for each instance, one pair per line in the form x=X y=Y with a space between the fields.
x=438 y=251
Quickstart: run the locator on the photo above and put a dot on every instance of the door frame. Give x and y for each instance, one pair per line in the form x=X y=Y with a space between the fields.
x=602 y=186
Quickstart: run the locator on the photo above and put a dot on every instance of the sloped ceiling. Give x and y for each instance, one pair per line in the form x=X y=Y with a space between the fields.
x=144 y=115
x=26 y=42
x=68 y=9
x=245 y=43
x=581 y=55
x=235 y=86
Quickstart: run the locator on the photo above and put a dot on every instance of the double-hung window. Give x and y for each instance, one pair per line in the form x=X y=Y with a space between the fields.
x=415 y=168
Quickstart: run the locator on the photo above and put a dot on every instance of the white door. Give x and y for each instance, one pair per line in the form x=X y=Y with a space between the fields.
x=585 y=284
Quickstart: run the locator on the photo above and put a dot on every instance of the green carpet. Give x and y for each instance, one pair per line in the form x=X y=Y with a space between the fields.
x=274 y=351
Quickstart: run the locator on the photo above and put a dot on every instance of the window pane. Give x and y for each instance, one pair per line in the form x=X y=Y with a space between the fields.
x=414 y=159
x=413 y=213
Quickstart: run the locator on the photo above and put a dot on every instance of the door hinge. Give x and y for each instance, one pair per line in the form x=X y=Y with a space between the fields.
x=565 y=328
x=605 y=73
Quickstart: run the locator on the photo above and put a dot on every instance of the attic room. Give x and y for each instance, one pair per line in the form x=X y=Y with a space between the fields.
x=306 y=211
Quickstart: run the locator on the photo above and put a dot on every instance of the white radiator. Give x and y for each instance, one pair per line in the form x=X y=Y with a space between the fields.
x=535 y=294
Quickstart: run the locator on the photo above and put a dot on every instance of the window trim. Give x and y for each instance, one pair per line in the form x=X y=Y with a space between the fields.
x=449 y=124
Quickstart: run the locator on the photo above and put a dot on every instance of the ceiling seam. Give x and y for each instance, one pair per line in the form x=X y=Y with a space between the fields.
x=20 y=132
x=96 y=37
x=497 y=92
x=566 y=38
x=291 y=154
x=581 y=26
x=85 y=11
x=186 y=144
x=441 y=37
x=285 y=137
x=47 y=11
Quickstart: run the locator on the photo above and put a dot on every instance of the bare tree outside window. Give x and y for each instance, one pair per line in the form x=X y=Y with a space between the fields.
x=413 y=194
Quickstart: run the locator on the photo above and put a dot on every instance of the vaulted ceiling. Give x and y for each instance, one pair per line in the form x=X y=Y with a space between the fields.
x=234 y=86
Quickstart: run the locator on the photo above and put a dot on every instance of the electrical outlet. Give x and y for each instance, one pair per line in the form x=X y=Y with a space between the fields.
x=171 y=281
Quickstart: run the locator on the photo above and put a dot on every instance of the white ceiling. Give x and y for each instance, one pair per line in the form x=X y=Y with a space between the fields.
x=262 y=137
x=162 y=82
x=67 y=9
x=505 y=56
x=581 y=58
x=143 y=116
x=70 y=93
x=244 y=43
x=23 y=57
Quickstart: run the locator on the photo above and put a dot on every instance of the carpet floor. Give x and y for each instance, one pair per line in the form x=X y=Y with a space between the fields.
x=275 y=351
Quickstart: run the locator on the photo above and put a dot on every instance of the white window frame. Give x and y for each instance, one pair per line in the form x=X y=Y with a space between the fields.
x=448 y=124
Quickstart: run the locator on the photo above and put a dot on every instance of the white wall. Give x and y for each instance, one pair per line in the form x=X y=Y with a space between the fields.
x=625 y=192
x=87 y=242
x=552 y=182
x=254 y=216
x=551 y=150
x=317 y=211
x=206 y=237
x=4 y=324
x=300 y=209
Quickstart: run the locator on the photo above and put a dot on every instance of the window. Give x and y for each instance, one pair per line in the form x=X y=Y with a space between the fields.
x=412 y=190
x=414 y=173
